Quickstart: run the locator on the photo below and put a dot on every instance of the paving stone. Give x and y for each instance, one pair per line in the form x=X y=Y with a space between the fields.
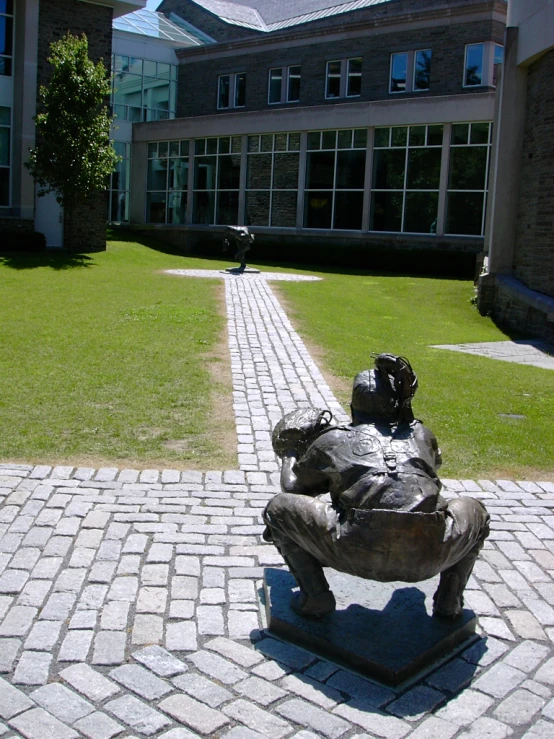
x=141 y=681
x=415 y=703
x=257 y=719
x=241 y=732
x=203 y=689
x=18 y=621
x=37 y=723
x=236 y=652
x=151 y=600
x=124 y=588
x=115 y=615
x=374 y=721
x=525 y=624
x=109 y=648
x=486 y=727
x=541 y=730
x=32 y=668
x=271 y=670
x=357 y=687
x=198 y=716
x=98 y=726
x=465 y=708
x=181 y=636
x=13 y=581
x=89 y=682
x=499 y=680
x=316 y=692
x=160 y=661
x=58 y=606
x=519 y=707
x=8 y=653
x=180 y=733
x=137 y=715
x=12 y=701
x=63 y=703
x=527 y=656
x=485 y=651
x=454 y=676
x=181 y=609
x=76 y=646
x=43 y=635
x=434 y=728
x=218 y=668
x=288 y=654
x=147 y=629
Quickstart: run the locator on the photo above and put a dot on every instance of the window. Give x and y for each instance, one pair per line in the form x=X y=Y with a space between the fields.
x=344 y=78
x=284 y=85
x=406 y=176
x=272 y=179
x=216 y=180
x=335 y=171
x=167 y=179
x=120 y=184
x=481 y=64
x=5 y=149
x=470 y=146
x=6 y=37
x=231 y=91
x=410 y=71
x=143 y=90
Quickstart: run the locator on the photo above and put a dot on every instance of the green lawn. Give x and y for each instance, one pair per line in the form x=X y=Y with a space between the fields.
x=104 y=359
x=461 y=397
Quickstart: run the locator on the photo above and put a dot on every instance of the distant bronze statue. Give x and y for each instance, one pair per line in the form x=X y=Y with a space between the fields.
x=387 y=520
x=243 y=240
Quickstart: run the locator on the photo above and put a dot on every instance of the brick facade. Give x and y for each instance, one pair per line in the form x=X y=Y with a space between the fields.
x=197 y=87
x=533 y=260
x=56 y=18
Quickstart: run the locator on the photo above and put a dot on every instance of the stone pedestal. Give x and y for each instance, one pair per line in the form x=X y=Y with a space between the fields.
x=384 y=630
x=239 y=271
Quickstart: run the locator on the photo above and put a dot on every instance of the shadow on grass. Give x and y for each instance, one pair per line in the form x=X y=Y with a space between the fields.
x=58 y=261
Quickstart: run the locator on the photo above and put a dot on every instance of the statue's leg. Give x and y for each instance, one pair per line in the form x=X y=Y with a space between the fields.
x=469 y=530
x=314 y=599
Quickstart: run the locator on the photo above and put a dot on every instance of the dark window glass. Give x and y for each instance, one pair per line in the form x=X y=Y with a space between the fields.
x=227 y=207
x=280 y=142
x=424 y=169
x=6 y=6
x=157 y=174
x=434 y=135
x=5 y=147
x=420 y=214
x=177 y=207
x=204 y=174
x=224 y=145
x=258 y=172
x=382 y=137
x=333 y=80
x=211 y=146
x=155 y=205
x=417 y=135
x=464 y=213
x=386 y=211
x=498 y=60
x=398 y=72
x=345 y=139
x=318 y=209
x=223 y=91
x=348 y=210
x=422 y=69
x=119 y=206
x=293 y=92
x=4 y=186
x=468 y=167
x=203 y=207
x=178 y=174
x=275 y=80
x=314 y=140
x=328 y=139
x=257 y=208
x=360 y=138
x=350 y=169
x=285 y=171
x=474 y=65
x=267 y=142
x=240 y=91
x=479 y=133
x=399 y=136
x=460 y=133
x=5 y=66
x=354 y=81
x=229 y=173
x=6 y=35
x=283 y=209
x=320 y=167
x=388 y=169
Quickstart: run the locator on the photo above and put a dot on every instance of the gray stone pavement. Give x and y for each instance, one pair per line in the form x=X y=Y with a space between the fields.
x=130 y=600
x=523 y=351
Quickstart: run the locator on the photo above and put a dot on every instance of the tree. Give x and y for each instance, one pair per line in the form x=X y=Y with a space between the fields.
x=74 y=155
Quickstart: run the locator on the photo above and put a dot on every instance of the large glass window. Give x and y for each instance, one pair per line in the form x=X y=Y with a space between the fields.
x=216 y=180
x=5 y=156
x=416 y=80
x=120 y=184
x=467 y=178
x=231 y=90
x=143 y=90
x=6 y=37
x=166 y=185
x=343 y=78
x=335 y=169
x=284 y=85
x=272 y=180
x=422 y=69
x=398 y=71
x=406 y=176
x=474 y=65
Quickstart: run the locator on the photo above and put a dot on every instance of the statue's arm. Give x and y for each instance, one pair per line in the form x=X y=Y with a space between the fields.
x=301 y=481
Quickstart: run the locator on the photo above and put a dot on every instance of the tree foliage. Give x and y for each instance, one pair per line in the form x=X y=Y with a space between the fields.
x=74 y=155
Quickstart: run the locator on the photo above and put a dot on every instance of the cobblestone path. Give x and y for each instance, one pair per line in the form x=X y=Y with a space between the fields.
x=129 y=600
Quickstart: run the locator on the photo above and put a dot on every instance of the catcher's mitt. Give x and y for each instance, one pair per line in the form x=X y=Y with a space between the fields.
x=298 y=429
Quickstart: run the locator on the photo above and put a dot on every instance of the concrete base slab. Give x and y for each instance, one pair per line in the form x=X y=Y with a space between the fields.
x=239 y=271
x=384 y=630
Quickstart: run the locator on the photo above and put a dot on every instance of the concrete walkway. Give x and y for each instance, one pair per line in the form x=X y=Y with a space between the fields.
x=129 y=601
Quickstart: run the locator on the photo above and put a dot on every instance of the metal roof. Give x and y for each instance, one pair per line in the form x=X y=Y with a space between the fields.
x=156 y=25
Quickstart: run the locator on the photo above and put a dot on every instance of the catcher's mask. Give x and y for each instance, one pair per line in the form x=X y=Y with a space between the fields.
x=373 y=398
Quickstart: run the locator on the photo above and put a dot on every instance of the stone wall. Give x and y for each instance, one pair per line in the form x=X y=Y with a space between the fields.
x=533 y=260
x=56 y=18
x=197 y=87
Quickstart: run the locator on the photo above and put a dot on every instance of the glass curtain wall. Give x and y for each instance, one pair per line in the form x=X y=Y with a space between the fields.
x=120 y=184
x=272 y=180
x=5 y=149
x=143 y=90
x=470 y=147
x=406 y=177
x=216 y=180
x=6 y=37
x=335 y=171
x=167 y=180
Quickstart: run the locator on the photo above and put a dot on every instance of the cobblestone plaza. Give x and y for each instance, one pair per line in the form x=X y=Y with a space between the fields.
x=130 y=599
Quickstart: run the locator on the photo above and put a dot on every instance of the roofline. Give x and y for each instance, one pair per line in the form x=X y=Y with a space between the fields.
x=308 y=32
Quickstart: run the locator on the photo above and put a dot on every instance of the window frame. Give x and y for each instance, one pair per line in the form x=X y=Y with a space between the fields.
x=8 y=166
x=233 y=90
x=488 y=64
x=344 y=77
x=411 y=69
x=284 y=86
x=145 y=111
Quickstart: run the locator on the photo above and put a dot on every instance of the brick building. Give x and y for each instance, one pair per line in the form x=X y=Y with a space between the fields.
x=518 y=288
x=346 y=126
x=27 y=27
